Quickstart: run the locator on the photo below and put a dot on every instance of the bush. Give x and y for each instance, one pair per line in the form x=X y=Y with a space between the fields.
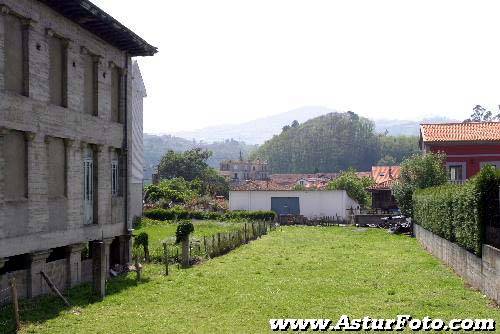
x=250 y=215
x=354 y=186
x=184 y=229
x=460 y=213
x=167 y=214
x=418 y=172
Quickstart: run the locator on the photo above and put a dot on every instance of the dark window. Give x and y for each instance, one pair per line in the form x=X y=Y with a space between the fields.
x=14 y=54
x=57 y=167
x=456 y=172
x=90 y=84
x=16 y=172
x=116 y=115
x=57 y=75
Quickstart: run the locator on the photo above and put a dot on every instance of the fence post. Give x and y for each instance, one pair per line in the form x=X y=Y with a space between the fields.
x=165 y=256
x=218 y=243
x=245 y=233
x=15 y=303
x=137 y=269
x=213 y=244
x=253 y=231
x=205 y=245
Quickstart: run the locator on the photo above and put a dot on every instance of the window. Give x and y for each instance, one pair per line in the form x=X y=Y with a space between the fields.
x=16 y=172
x=456 y=172
x=56 y=151
x=90 y=66
x=57 y=71
x=114 y=177
x=116 y=115
x=14 y=55
x=89 y=182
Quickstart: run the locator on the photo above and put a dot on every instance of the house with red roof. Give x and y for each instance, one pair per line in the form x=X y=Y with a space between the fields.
x=468 y=146
x=381 y=191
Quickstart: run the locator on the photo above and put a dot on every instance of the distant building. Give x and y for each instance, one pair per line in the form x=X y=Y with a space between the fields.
x=468 y=146
x=381 y=191
x=241 y=170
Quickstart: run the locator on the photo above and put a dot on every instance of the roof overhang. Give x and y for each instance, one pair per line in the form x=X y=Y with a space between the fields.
x=103 y=25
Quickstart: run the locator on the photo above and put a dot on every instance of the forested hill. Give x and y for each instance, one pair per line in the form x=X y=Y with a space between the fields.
x=333 y=142
x=156 y=146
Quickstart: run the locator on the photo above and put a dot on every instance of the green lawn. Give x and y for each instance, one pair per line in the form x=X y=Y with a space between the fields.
x=158 y=231
x=296 y=272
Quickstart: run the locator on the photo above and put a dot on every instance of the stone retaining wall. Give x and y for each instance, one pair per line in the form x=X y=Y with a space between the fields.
x=482 y=273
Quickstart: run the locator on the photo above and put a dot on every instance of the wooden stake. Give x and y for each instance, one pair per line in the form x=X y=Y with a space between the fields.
x=165 y=256
x=15 y=303
x=54 y=288
x=137 y=270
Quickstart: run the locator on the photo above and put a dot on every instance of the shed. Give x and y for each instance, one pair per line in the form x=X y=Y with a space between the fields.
x=310 y=204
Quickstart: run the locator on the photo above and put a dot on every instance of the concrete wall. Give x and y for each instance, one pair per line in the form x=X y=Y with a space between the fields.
x=312 y=203
x=482 y=273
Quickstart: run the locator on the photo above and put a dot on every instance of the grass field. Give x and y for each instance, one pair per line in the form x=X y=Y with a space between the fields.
x=296 y=272
x=158 y=231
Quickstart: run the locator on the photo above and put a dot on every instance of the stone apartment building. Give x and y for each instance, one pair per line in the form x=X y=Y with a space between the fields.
x=70 y=142
x=241 y=170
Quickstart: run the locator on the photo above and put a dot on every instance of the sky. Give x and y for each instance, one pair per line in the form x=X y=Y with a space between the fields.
x=230 y=61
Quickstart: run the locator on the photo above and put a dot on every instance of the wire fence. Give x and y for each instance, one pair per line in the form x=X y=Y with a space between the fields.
x=215 y=245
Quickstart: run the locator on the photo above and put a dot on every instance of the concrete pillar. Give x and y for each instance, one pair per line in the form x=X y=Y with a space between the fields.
x=3 y=133
x=35 y=280
x=98 y=268
x=74 y=264
x=100 y=265
x=103 y=186
x=107 y=253
x=125 y=242
x=74 y=186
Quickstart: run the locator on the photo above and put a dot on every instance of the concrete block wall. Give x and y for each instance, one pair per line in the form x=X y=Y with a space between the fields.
x=482 y=273
x=33 y=224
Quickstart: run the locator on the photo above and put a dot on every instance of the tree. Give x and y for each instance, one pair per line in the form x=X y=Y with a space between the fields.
x=481 y=114
x=419 y=172
x=295 y=124
x=189 y=165
x=354 y=186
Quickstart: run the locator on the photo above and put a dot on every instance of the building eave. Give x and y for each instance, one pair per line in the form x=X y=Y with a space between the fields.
x=103 y=25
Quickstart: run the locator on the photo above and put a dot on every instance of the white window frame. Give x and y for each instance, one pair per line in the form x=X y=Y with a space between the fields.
x=484 y=163
x=458 y=163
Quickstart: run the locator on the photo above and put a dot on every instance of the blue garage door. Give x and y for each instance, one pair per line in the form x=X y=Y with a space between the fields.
x=285 y=205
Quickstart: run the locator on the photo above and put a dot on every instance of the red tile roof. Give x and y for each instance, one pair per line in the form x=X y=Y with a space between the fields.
x=453 y=132
x=381 y=174
x=254 y=185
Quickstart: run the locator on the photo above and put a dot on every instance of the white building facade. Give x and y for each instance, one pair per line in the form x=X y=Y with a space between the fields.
x=310 y=204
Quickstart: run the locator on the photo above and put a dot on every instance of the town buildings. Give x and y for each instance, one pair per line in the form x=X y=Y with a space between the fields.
x=468 y=146
x=241 y=170
x=70 y=142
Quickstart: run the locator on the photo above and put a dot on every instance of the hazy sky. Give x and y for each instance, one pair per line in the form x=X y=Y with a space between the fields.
x=228 y=61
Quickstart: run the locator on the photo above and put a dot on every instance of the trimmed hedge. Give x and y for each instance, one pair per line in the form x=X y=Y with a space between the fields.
x=459 y=213
x=177 y=213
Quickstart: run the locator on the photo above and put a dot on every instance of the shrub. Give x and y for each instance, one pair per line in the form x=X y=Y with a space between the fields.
x=184 y=229
x=460 y=213
x=418 y=172
x=143 y=240
x=354 y=186
x=250 y=215
x=157 y=214
x=167 y=214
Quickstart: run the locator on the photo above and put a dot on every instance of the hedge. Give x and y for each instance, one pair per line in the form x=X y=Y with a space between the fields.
x=180 y=213
x=459 y=213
